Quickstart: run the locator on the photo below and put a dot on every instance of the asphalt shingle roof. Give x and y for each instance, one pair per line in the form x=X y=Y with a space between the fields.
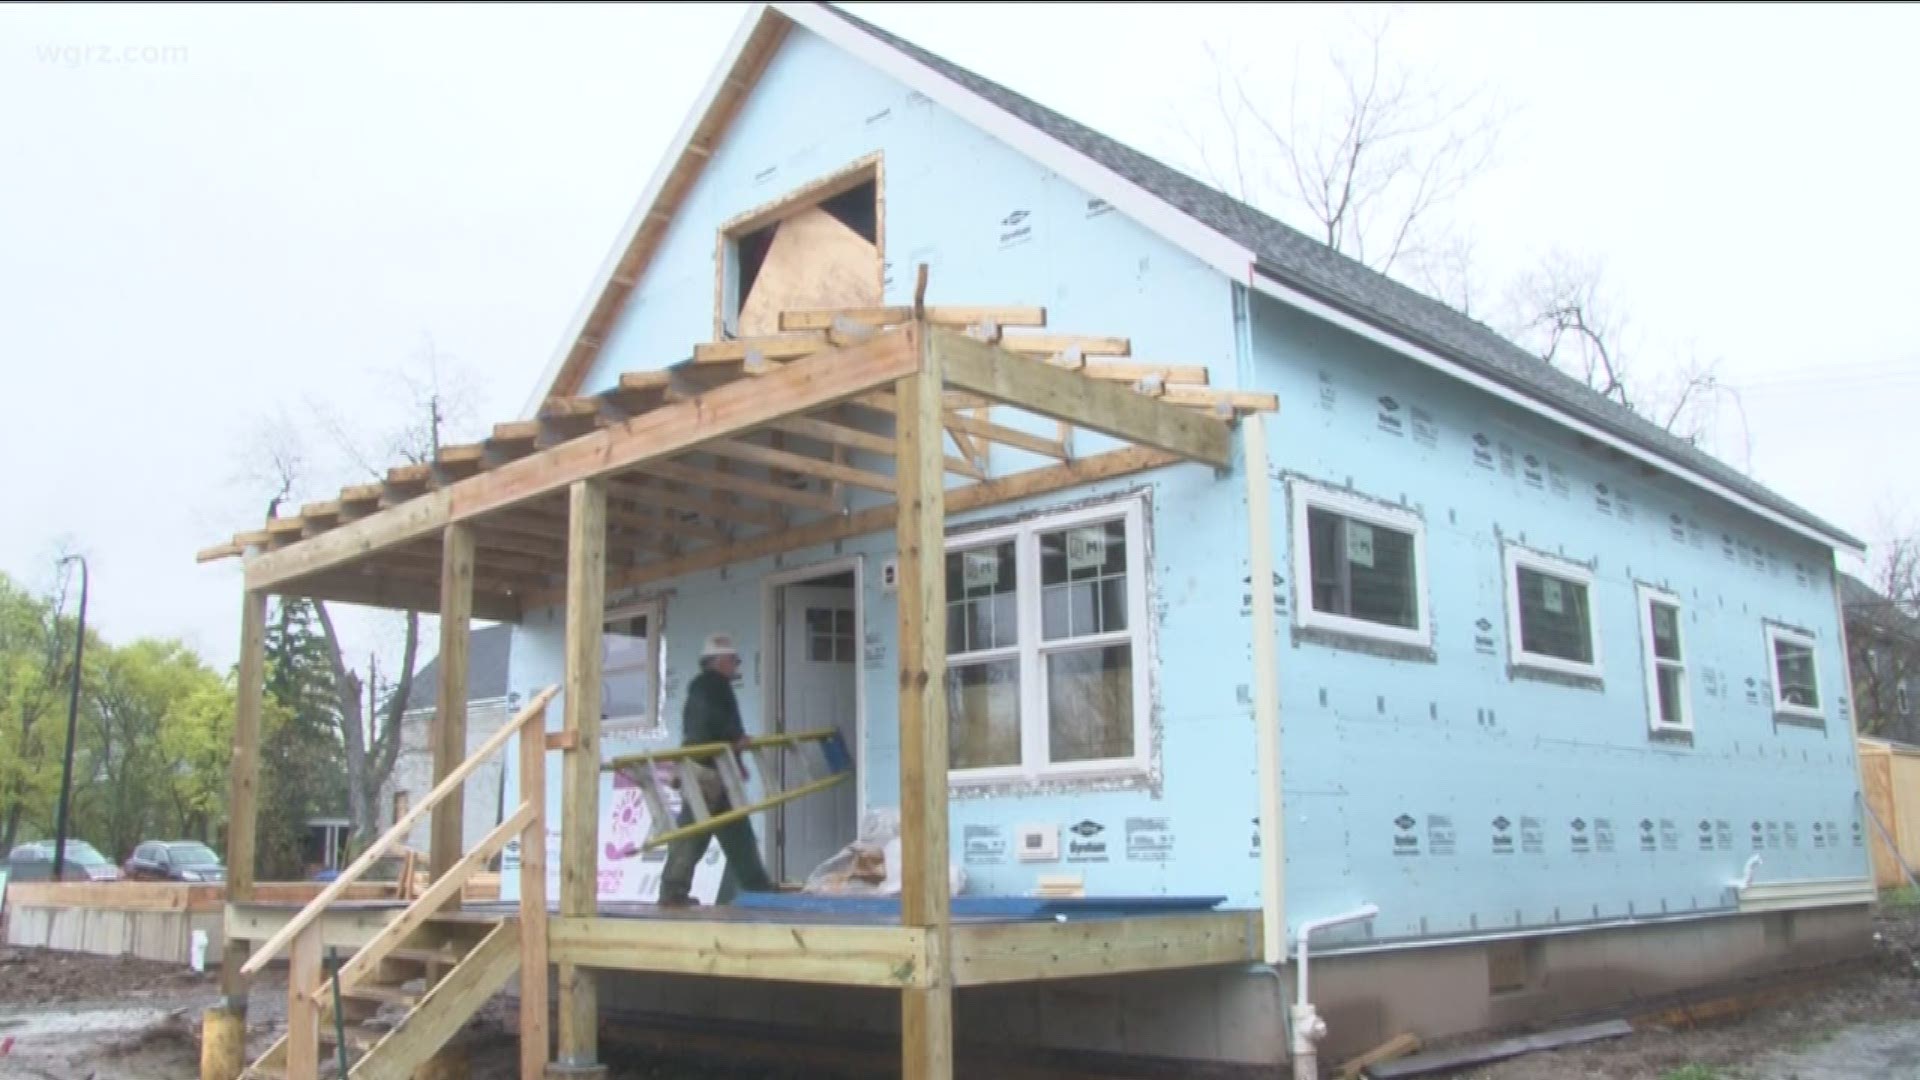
x=487 y=656
x=1311 y=267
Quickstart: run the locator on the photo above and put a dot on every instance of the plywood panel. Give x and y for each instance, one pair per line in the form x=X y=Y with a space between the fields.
x=813 y=262
x=1876 y=784
x=1906 y=805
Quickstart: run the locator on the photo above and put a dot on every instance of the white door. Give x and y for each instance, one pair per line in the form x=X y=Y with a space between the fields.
x=819 y=665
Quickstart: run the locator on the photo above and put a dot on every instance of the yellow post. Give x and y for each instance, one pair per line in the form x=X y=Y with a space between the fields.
x=224 y=1027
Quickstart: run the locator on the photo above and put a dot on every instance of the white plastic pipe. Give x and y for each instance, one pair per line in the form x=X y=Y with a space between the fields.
x=1308 y=1028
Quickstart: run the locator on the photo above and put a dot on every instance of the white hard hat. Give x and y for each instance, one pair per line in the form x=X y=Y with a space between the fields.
x=718 y=645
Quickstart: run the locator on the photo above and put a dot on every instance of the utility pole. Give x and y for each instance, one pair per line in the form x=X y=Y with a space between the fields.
x=73 y=722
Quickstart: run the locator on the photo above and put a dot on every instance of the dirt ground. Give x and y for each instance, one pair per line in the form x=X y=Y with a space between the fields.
x=67 y=1016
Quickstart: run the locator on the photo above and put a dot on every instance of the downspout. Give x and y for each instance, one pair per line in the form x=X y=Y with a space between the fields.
x=1308 y=1028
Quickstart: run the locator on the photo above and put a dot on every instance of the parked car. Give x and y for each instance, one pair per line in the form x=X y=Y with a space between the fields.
x=33 y=861
x=174 y=860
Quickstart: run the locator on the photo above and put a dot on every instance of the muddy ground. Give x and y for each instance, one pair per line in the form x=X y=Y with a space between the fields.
x=67 y=1016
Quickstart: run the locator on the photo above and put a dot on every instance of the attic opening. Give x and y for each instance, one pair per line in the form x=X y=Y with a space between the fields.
x=817 y=247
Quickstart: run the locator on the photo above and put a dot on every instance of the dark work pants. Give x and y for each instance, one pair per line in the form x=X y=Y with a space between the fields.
x=744 y=868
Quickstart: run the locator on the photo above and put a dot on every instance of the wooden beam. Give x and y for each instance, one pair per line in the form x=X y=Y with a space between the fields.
x=764 y=490
x=580 y=775
x=1206 y=398
x=448 y=736
x=1134 y=371
x=884 y=402
x=1088 y=403
x=303 y=1014
x=655 y=493
x=926 y=1018
x=987 y=953
x=1056 y=344
x=535 y=1037
x=770 y=347
x=824 y=318
x=887 y=956
x=1265 y=645
x=395 y=593
x=788 y=461
x=243 y=775
x=797 y=388
x=1006 y=489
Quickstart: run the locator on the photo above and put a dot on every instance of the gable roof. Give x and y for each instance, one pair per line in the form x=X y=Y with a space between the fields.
x=1242 y=242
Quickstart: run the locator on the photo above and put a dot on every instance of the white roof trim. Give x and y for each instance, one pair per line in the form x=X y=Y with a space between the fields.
x=1216 y=250
x=1285 y=294
x=683 y=139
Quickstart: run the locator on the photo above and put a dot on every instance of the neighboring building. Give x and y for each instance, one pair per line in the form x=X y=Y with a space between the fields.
x=490 y=704
x=1549 y=678
x=1883 y=640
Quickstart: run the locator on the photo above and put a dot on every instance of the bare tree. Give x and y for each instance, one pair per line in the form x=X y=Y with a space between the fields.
x=1368 y=155
x=1883 y=636
x=1565 y=312
x=436 y=398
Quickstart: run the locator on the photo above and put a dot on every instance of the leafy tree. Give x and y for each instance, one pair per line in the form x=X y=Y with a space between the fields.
x=36 y=646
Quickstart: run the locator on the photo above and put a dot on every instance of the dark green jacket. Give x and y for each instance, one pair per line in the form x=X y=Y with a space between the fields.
x=712 y=714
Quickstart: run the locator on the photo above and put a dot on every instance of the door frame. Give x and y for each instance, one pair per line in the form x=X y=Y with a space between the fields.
x=773 y=666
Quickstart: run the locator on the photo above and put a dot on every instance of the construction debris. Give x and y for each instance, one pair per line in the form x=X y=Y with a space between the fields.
x=1486 y=1053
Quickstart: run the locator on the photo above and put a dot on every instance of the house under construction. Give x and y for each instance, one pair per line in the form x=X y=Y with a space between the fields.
x=1262 y=604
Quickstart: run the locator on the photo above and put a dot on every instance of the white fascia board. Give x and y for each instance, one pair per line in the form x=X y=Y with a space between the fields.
x=1223 y=253
x=1319 y=309
x=722 y=73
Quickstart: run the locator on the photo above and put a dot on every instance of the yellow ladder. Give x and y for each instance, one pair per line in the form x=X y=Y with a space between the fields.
x=820 y=759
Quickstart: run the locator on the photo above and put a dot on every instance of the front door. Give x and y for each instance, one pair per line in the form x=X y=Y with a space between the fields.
x=818 y=670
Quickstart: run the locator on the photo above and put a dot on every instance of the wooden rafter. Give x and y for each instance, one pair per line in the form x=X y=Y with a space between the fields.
x=737 y=451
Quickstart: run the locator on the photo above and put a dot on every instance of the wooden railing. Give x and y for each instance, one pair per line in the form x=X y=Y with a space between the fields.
x=307 y=992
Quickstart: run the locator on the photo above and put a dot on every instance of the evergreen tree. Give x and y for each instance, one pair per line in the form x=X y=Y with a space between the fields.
x=302 y=762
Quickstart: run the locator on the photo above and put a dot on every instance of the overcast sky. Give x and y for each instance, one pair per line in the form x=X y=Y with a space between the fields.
x=219 y=219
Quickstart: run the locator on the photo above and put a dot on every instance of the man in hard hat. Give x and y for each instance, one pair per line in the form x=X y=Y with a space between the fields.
x=713 y=716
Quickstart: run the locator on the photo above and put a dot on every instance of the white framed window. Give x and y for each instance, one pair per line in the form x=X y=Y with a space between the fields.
x=1359 y=567
x=1046 y=654
x=1663 y=647
x=632 y=660
x=1550 y=614
x=1796 y=680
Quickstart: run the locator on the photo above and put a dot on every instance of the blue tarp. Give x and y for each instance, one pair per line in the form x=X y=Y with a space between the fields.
x=985 y=907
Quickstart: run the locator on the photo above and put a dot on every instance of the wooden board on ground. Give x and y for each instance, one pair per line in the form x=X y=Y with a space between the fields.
x=1484 y=1053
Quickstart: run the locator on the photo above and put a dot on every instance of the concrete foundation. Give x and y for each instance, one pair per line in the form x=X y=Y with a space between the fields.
x=1237 y=1016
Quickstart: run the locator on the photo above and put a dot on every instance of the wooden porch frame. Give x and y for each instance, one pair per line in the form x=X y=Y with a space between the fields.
x=915 y=372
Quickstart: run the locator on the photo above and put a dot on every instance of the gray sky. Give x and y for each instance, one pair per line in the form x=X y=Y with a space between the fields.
x=211 y=218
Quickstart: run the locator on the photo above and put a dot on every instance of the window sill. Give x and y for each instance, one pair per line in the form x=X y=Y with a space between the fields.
x=1117 y=777
x=1575 y=680
x=1362 y=642
x=1796 y=718
x=1671 y=735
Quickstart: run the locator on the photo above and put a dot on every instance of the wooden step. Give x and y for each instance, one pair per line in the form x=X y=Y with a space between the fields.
x=445 y=954
x=359 y=1039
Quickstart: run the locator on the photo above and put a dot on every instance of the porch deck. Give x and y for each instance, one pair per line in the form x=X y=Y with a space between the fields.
x=842 y=948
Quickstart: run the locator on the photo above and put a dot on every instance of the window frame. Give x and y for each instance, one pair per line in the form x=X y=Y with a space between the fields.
x=627 y=724
x=1647 y=597
x=1308 y=495
x=1518 y=558
x=869 y=168
x=1776 y=633
x=1031 y=648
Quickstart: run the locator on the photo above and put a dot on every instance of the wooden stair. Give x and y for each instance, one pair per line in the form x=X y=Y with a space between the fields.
x=437 y=971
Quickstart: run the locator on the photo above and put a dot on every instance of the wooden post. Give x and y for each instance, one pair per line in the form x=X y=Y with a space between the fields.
x=926 y=1017
x=579 y=1042
x=303 y=1013
x=244 y=791
x=533 y=900
x=449 y=733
